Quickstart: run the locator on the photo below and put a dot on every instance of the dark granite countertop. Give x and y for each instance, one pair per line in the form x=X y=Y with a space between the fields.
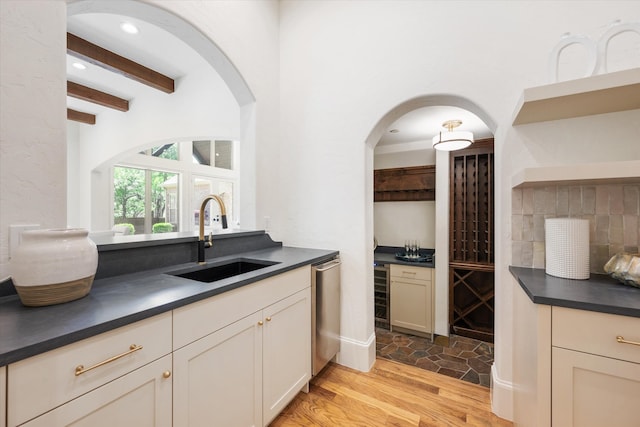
x=598 y=293
x=120 y=300
x=387 y=255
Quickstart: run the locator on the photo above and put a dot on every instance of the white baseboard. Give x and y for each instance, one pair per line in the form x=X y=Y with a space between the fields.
x=360 y=355
x=501 y=396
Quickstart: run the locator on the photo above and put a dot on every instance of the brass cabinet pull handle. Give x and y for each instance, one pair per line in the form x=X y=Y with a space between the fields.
x=621 y=340
x=80 y=369
x=409 y=272
x=260 y=323
x=166 y=374
x=268 y=319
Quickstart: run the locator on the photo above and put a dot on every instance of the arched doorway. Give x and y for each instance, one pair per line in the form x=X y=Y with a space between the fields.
x=442 y=206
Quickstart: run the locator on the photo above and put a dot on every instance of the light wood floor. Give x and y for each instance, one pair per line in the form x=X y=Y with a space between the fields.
x=391 y=394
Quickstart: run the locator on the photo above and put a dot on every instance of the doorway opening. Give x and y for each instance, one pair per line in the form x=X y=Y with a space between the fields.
x=394 y=222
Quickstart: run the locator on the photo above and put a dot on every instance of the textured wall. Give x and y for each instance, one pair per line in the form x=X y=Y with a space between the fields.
x=613 y=212
x=33 y=153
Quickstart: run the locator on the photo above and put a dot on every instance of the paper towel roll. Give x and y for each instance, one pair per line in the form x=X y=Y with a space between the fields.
x=567 y=247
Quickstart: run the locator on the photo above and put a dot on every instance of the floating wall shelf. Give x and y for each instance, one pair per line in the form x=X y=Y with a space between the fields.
x=627 y=172
x=604 y=93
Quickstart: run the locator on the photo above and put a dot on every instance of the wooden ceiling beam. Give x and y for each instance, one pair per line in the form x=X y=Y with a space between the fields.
x=92 y=95
x=104 y=58
x=79 y=116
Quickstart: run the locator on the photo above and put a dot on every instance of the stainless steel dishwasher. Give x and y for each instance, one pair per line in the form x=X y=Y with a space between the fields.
x=325 y=313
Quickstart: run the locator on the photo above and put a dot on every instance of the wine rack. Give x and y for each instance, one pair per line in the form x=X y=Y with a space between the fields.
x=472 y=293
x=471 y=257
x=381 y=296
x=416 y=183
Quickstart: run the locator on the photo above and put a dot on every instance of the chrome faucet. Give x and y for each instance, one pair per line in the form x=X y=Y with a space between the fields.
x=223 y=215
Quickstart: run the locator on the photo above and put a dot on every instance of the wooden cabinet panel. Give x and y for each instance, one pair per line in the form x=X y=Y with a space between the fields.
x=531 y=360
x=401 y=271
x=286 y=352
x=218 y=379
x=596 y=333
x=199 y=319
x=140 y=398
x=593 y=391
x=405 y=184
x=568 y=369
x=247 y=372
x=412 y=299
x=42 y=382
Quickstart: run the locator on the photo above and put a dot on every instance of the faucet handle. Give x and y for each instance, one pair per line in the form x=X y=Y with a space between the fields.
x=209 y=242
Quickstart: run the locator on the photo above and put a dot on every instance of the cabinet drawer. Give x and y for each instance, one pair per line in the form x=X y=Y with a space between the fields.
x=202 y=318
x=43 y=382
x=596 y=333
x=140 y=398
x=409 y=272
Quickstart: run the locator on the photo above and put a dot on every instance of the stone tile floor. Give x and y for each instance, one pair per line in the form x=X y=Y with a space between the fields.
x=459 y=357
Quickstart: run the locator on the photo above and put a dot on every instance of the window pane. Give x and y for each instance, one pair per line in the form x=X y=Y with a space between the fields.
x=224 y=154
x=130 y=190
x=128 y=198
x=202 y=152
x=164 y=200
x=167 y=151
x=202 y=187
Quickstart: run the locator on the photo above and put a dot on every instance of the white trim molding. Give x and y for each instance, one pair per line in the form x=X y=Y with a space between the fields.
x=360 y=355
x=501 y=396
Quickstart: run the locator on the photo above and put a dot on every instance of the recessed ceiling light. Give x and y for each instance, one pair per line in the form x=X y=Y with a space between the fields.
x=129 y=28
x=79 y=66
x=394 y=131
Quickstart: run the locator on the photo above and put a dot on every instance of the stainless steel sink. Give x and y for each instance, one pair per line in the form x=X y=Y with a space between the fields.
x=222 y=271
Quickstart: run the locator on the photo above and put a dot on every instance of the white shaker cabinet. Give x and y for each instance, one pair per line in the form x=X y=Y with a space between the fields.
x=570 y=369
x=234 y=359
x=217 y=379
x=592 y=371
x=286 y=353
x=141 y=398
x=58 y=378
x=412 y=299
x=244 y=373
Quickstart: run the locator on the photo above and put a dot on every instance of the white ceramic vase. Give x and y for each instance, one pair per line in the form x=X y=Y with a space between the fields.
x=53 y=266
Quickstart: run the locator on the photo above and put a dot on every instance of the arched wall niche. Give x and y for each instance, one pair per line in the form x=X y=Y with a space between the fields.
x=442 y=191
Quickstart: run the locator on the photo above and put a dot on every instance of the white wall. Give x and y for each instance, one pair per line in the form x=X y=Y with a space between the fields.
x=401 y=159
x=33 y=153
x=395 y=222
x=324 y=74
x=344 y=65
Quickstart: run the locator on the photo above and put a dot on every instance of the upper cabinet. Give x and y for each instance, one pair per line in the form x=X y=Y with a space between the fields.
x=405 y=184
x=604 y=93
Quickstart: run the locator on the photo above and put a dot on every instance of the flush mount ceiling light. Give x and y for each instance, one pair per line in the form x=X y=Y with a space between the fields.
x=129 y=28
x=450 y=140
